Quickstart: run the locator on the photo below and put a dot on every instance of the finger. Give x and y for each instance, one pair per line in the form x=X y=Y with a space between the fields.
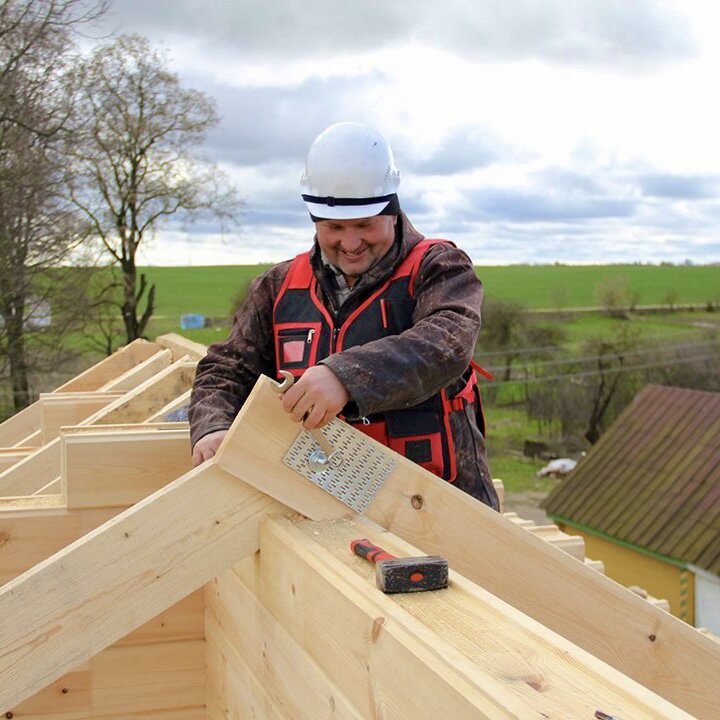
x=291 y=397
x=314 y=417
x=327 y=417
x=302 y=408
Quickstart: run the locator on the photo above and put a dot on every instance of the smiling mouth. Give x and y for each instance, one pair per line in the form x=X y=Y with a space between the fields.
x=354 y=255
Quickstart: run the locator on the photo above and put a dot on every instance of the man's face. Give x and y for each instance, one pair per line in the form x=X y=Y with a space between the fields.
x=354 y=246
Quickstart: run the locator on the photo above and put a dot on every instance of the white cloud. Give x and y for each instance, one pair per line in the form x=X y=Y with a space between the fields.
x=529 y=130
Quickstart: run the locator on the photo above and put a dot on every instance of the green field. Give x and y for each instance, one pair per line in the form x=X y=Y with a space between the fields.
x=210 y=290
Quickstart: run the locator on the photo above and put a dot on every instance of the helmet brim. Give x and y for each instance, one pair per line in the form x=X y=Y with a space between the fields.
x=345 y=212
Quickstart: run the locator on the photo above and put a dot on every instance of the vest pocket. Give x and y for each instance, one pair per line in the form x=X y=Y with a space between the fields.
x=296 y=346
x=417 y=435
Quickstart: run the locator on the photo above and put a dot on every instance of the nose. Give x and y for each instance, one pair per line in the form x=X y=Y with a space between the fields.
x=352 y=243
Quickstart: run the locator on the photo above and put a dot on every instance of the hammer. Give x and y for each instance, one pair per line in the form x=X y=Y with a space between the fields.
x=401 y=575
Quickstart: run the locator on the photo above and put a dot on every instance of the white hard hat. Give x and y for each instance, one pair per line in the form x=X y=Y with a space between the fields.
x=350 y=173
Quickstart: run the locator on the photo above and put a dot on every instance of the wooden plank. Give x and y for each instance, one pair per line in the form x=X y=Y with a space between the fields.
x=384 y=662
x=20 y=425
x=34 y=439
x=58 y=409
x=44 y=465
x=107 y=468
x=110 y=367
x=143 y=371
x=500 y=490
x=568 y=543
x=554 y=677
x=123 y=574
x=10 y=456
x=216 y=709
x=652 y=647
x=122 y=681
x=237 y=692
x=24 y=504
x=185 y=620
x=179 y=402
x=122 y=427
x=54 y=487
x=181 y=346
x=263 y=649
x=28 y=538
x=33 y=472
x=69 y=697
x=147 y=398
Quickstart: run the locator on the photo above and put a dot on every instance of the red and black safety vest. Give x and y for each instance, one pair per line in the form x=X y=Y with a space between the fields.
x=305 y=333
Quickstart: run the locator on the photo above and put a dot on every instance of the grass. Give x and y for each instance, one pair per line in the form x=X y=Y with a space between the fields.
x=508 y=429
x=518 y=474
x=569 y=286
x=670 y=326
x=210 y=290
x=206 y=290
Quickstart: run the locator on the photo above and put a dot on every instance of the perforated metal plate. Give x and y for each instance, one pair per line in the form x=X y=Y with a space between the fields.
x=356 y=470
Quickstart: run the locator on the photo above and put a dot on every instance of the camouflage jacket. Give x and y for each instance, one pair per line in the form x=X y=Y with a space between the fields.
x=397 y=371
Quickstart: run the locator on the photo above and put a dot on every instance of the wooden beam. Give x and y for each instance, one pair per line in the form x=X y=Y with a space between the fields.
x=33 y=472
x=179 y=402
x=20 y=425
x=123 y=574
x=146 y=399
x=181 y=346
x=185 y=620
x=143 y=371
x=58 y=409
x=254 y=646
x=612 y=623
x=237 y=692
x=23 y=504
x=390 y=662
x=54 y=487
x=34 y=439
x=110 y=468
x=126 y=682
x=11 y=456
x=27 y=538
x=529 y=662
x=124 y=427
x=110 y=367
x=25 y=424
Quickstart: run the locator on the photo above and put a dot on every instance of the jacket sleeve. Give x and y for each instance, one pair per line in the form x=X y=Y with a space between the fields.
x=402 y=370
x=227 y=374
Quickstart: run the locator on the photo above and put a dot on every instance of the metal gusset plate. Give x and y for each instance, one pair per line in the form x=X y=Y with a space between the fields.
x=355 y=471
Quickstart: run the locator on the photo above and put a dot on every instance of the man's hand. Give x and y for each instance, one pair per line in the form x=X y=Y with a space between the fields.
x=316 y=398
x=207 y=446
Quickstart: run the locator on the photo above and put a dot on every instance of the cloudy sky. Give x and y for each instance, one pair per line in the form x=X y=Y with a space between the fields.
x=525 y=130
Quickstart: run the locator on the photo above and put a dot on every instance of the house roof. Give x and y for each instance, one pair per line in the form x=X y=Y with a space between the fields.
x=653 y=479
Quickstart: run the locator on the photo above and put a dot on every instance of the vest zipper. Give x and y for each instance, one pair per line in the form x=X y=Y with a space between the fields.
x=310 y=334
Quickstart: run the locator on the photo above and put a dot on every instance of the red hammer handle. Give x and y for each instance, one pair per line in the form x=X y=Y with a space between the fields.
x=365 y=549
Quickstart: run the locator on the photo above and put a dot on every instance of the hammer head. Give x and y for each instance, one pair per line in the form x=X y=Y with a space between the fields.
x=401 y=575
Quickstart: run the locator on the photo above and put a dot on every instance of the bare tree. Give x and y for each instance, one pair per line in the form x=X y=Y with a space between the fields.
x=613 y=294
x=509 y=331
x=37 y=228
x=137 y=163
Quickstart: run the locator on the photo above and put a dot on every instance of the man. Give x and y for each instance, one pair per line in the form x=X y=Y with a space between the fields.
x=376 y=323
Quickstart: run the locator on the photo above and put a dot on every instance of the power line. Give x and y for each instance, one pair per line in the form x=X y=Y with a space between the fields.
x=610 y=356
x=591 y=373
x=542 y=348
